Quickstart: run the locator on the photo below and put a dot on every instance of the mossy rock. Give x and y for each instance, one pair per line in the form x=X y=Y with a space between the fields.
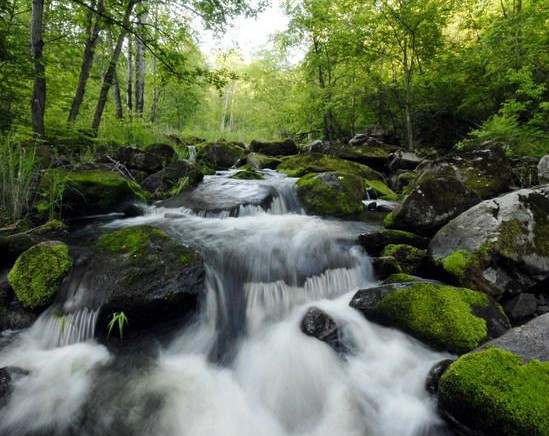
x=494 y=392
x=220 y=155
x=374 y=243
x=306 y=163
x=76 y=193
x=380 y=190
x=260 y=161
x=332 y=194
x=285 y=147
x=499 y=246
x=38 y=273
x=247 y=174
x=412 y=260
x=175 y=178
x=400 y=278
x=457 y=320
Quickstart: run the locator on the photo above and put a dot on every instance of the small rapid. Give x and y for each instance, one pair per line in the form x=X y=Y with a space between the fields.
x=241 y=366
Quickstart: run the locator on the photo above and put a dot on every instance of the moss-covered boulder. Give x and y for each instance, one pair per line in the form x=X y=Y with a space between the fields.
x=332 y=194
x=147 y=275
x=13 y=246
x=306 y=163
x=493 y=392
x=77 y=193
x=374 y=243
x=400 y=278
x=247 y=174
x=38 y=273
x=286 y=147
x=435 y=199
x=412 y=260
x=173 y=179
x=447 y=318
x=499 y=246
x=260 y=161
x=220 y=155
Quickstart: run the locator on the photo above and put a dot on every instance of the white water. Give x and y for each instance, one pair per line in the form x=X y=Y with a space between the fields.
x=243 y=367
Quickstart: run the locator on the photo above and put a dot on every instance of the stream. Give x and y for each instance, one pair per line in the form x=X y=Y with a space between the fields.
x=241 y=366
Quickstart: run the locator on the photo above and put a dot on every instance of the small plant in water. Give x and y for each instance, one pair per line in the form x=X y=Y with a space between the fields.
x=118 y=319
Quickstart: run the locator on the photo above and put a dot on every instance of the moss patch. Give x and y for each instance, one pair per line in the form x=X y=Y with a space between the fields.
x=38 y=272
x=302 y=164
x=410 y=259
x=400 y=278
x=439 y=315
x=389 y=220
x=247 y=174
x=498 y=394
x=381 y=190
x=457 y=262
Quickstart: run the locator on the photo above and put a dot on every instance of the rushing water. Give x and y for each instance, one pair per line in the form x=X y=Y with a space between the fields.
x=242 y=367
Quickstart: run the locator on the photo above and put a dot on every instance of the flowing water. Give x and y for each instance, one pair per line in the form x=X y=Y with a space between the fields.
x=242 y=366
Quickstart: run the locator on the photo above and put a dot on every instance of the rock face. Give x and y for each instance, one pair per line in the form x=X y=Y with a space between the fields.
x=521 y=306
x=374 y=243
x=274 y=148
x=543 y=169
x=87 y=192
x=320 y=325
x=492 y=392
x=38 y=272
x=453 y=319
x=173 y=179
x=500 y=246
x=333 y=194
x=220 y=156
x=147 y=276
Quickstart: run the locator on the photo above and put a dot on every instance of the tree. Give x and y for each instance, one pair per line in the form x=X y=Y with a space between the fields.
x=38 y=100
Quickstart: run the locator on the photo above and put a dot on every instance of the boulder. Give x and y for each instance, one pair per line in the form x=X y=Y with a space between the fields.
x=457 y=320
x=220 y=155
x=38 y=273
x=543 y=169
x=332 y=194
x=374 y=243
x=401 y=278
x=320 y=325
x=404 y=160
x=385 y=267
x=306 y=163
x=521 y=306
x=247 y=174
x=173 y=179
x=492 y=392
x=145 y=274
x=78 y=193
x=136 y=159
x=163 y=151
x=411 y=260
x=500 y=246
x=286 y=147
x=401 y=180
x=13 y=246
x=435 y=374
x=260 y=161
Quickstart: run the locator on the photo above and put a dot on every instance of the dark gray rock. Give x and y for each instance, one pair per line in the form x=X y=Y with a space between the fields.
x=385 y=266
x=400 y=180
x=521 y=306
x=13 y=246
x=320 y=325
x=435 y=373
x=163 y=151
x=543 y=169
x=286 y=147
x=162 y=183
x=404 y=160
x=136 y=159
x=374 y=243
x=260 y=161
x=220 y=155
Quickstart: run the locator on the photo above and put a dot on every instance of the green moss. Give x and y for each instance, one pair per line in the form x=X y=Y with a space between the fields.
x=499 y=393
x=130 y=240
x=389 y=220
x=381 y=190
x=38 y=272
x=306 y=163
x=457 y=263
x=400 y=278
x=410 y=259
x=343 y=197
x=439 y=315
x=247 y=174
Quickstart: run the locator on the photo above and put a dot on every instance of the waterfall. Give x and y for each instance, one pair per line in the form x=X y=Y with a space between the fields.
x=192 y=153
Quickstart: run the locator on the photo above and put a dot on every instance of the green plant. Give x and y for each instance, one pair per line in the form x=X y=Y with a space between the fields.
x=118 y=319
x=53 y=196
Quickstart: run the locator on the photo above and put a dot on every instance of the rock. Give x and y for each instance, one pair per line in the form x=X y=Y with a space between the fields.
x=136 y=159
x=8 y=375
x=404 y=160
x=401 y=278
x=38 y=273
x=220 y=155
x=146 y=275
x=543 y=169
x=163 y=151
x=436 y=198
x=332 y=194
x=274 y=148
x=320 y=325
x=364 y=139
x=377 y=157
x=400 y=180
x=260 y=161
x=90 y=192
x=529 y=341
x=500 y=246
x=457 y=320
x=521 y=306
x=492 y=392
x=411 y=260
x=385 y=267
x=302 y=164
x=525 y=171
x=172 y=180
x=13 y=246
x=374 y=243
x=435 y=373
x=247 y=174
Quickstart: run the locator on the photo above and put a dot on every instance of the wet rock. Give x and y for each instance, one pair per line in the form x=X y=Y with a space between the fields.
x=144 y=273
x=274 y=148
x=457 y=320
x=220 y=155
x=320 y=325
x=400 y=180
x=500 y=246
x=260 y=161
x=521 y=306
x=543 y=169
x=404 y=160
x=435 y=373
x=172 y=180
x=247 y=174
x=136 y=159
x=7 y=376
x=374 y=243
x=385 y=266
x=411 y=260
x=13 y=246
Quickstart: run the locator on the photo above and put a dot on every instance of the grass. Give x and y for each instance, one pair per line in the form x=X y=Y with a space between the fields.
x=120 y=320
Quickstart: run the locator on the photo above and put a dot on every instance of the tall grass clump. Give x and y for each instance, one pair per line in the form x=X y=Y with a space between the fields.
x=17 y=175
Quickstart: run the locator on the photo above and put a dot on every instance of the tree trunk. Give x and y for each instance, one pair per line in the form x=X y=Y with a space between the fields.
x=111 y=70
x=38 y=101
x=140 y=71
x=156 y=94
x=408 y=98
x=87 y=60
x=117 y=97
x=129 y=90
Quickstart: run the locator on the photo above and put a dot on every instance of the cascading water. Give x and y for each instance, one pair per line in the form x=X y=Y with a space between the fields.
x=243 y=367
x=192 y=153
